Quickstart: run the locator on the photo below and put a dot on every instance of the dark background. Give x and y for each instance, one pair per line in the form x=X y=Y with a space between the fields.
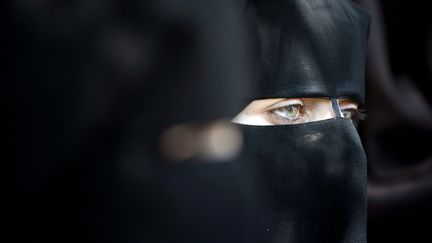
x=53 y=116
x=398 y=130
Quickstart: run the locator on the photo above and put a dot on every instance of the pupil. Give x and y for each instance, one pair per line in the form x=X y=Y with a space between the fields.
x=347 y=113
x=291 y=111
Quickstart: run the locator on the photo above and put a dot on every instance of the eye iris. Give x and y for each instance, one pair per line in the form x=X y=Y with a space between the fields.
x=288 y=112
x=349 y=113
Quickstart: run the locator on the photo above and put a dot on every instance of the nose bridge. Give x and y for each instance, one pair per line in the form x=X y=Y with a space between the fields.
x=322 y=110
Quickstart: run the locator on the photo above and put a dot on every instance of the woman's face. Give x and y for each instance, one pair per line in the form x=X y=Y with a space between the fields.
x=286 y=111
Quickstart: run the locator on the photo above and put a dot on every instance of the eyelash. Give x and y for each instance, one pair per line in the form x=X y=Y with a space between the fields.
x=359 y=115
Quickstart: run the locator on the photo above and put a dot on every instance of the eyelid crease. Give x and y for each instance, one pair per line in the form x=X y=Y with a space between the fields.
x=284 y=103
x=348 y=104
x=347 y=99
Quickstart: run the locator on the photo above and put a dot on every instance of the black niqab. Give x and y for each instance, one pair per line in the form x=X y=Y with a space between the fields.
x=314 y=175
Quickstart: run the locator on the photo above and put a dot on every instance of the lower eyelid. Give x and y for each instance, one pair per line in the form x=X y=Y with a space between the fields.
x=282 y=121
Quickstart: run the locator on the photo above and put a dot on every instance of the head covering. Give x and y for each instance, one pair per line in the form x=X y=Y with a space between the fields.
x=308 y=48
x=314 y=175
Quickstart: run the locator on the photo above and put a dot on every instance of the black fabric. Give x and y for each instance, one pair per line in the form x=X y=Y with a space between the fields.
x=315 y=179
x=314 y=174
x=311 y=48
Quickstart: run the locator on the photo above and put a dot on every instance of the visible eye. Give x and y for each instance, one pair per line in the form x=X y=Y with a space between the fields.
x=356 y=115
x=289 y=112
x=349 y=113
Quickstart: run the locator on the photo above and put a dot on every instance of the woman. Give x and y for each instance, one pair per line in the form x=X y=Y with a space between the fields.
x=299 y=126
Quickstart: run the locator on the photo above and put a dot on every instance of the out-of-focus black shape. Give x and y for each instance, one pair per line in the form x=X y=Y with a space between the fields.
x=92 y=86
x=399 y=125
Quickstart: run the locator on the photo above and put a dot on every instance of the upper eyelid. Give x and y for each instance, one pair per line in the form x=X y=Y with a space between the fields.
x=285 y=103
x=348 y=107
x=347 y=101
x=348 y=104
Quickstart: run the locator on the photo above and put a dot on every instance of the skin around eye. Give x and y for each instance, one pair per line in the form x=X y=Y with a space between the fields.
x=286 y=111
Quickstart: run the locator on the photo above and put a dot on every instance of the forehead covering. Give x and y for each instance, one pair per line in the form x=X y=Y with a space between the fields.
x=308 y=48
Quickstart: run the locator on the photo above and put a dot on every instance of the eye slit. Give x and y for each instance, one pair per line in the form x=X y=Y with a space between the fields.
x=289 y=112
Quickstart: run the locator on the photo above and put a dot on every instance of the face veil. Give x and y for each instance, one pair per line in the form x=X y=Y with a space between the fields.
x=314 y=175
x=314 y=178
